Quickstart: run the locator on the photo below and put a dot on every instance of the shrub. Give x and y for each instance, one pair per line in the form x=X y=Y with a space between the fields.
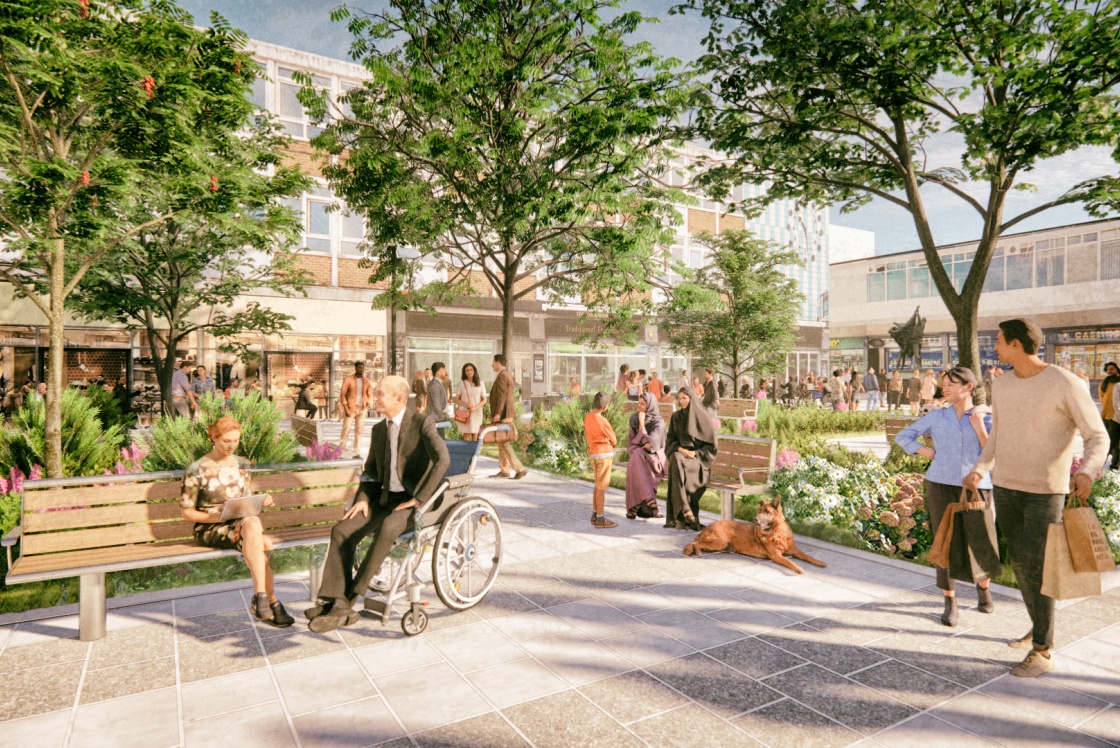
x=557 y=441
x=784 y=425
x=177 y=442
x=109 y=409
x=88 y=448
x=1105 y=500
x=899 y=462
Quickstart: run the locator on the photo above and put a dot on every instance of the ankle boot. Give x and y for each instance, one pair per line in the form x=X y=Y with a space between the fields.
x=949 y=616
x=984 y=597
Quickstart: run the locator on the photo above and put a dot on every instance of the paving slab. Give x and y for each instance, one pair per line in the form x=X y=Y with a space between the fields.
x=590 y=638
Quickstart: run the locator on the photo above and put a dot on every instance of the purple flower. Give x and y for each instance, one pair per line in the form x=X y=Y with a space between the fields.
x=36 y=473
x=786 y=458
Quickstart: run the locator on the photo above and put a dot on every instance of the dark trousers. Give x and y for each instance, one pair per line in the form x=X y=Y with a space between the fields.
x=1113 y=429
x=311 y=409
x=1024 y=519
x=339 y=579
x=938 y=498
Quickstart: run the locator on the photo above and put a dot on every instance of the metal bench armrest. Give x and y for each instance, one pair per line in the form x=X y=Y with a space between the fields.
x=10 y=539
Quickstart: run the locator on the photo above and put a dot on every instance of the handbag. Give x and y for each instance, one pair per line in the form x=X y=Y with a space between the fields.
x=501 y=437
x=463 y=415
x=1087 y=542
x=1059 y=579
x=973 y=552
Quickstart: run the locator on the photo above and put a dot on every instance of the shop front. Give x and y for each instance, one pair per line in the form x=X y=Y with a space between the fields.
x=1088 y=348
x=847 y=352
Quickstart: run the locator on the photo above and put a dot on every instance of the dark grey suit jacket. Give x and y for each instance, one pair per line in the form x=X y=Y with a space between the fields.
x=422 y=459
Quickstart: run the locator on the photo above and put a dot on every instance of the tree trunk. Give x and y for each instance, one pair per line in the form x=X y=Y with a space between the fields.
x=968 y=346
x=56 y=365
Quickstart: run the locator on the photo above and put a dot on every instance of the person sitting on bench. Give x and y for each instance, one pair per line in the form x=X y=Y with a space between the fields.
x=208 y=483
x=407 y=461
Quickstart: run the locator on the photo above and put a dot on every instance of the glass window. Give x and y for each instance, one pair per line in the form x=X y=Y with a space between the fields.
x=995 y=278
x=876 y=287
x=1019 y=271
x=1086 y=238
x=293 y=118
x=256 y=93
x=896 y=284
x=1050 y=268
x=920 y=284
x=353 y=232
x=961 y=268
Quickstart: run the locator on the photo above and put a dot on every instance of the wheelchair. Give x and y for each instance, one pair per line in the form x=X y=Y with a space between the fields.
x=465 y=536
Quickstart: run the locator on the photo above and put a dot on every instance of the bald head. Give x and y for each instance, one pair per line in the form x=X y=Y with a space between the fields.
x=392 y=395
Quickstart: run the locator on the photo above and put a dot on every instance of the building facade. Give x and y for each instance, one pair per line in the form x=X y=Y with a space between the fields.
x=333 y=326
x=1064 y=278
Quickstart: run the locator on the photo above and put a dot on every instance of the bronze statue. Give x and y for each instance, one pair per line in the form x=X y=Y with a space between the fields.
x=909 y=338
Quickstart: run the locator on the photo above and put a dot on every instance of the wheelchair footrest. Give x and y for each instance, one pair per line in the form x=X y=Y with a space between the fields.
x=378 y=607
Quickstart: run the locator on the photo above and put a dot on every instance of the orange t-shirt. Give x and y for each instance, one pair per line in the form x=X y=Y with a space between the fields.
x=655 y=388
x=600 y=435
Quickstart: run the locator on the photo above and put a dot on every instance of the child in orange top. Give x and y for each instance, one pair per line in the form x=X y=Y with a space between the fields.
x=601 y=442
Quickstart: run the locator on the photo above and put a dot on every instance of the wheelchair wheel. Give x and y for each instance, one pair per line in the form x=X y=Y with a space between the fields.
x=467 y=554
x=414 y=622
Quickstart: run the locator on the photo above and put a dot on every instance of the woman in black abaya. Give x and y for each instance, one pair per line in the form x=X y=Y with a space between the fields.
x=690 y=450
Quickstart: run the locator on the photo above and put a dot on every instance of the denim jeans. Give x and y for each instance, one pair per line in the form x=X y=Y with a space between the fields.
x=1024 y=519
x=873 y=400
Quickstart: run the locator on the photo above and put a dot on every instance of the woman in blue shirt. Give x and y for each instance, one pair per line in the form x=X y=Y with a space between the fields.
x=959 y=432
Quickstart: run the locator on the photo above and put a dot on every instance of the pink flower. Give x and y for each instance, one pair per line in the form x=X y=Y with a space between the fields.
x=786 y=458
x=865 y=512
x=36 y=473
x=905 y=545
x=890 y=519
x=750 y=425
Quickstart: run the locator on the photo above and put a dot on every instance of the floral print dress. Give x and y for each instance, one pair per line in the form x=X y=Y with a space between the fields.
x=206 y=486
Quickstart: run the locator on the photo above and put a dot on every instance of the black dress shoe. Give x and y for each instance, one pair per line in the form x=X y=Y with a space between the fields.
x=325 y=622
x=280 y=617
x=317 y=610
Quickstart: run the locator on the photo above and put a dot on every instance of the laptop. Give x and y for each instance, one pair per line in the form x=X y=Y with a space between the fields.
x=246 y=506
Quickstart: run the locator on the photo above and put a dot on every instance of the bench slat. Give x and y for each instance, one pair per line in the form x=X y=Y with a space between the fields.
x=70 y=563
x=281 y=481
x=314 y=496
x=124 y=493
x=297 y=518
x=101 y=537
x=114 y=514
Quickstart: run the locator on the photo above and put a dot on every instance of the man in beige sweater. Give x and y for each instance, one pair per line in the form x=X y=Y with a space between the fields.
x=1036 y=413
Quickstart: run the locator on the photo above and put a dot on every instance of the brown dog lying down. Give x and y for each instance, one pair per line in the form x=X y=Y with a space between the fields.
x=767 y=537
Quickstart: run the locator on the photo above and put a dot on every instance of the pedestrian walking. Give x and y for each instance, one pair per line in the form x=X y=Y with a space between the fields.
x=894 y=392
x=871 y=389
x=601 y=441
x=354 y=400
x=502 y=410
x=1036 y=414
x=959 y=433
x=914 y=391
x=1106 y=390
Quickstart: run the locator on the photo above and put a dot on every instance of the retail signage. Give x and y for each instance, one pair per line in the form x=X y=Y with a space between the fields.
x=1100 y=335
x=845 y=344
x=931 y=359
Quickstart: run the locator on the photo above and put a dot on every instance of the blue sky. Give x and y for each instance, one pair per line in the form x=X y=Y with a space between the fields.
x=299 y=24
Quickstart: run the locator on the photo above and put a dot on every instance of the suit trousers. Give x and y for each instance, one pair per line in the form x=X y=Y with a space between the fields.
x=1024 y=519
x=359 y=421
x=507 y=458
x=339 y=578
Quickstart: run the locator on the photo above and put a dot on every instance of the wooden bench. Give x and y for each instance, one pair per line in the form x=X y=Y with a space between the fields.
x=306 y=430
x=738 y=411
x=88 y=526
x=742 y=468
x=895 y=424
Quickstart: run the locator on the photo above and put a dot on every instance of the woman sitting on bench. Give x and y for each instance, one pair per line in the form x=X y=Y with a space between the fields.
x=207 y=484
x=690 y=450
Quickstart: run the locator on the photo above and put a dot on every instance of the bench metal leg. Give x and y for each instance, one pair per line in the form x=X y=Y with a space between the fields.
x=726 y=505
x=315 y=572
x=91 y=607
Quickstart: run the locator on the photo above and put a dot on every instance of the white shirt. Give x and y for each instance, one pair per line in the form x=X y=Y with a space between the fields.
x=394 y=426
x=360 y=384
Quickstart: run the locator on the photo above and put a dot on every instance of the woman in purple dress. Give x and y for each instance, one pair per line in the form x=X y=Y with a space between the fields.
x=646 y=466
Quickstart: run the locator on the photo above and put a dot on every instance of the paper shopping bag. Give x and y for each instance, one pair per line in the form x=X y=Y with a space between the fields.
x=1087 y=542
x=1059 y=579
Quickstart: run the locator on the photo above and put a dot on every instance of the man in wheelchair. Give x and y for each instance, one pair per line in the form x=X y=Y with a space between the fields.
x=407 y=461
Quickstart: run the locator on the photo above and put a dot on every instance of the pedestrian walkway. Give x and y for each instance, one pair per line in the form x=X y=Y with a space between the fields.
x=590 y=638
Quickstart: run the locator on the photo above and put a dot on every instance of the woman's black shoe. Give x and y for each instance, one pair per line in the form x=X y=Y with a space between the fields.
x=260 y=608
x=280 y=617
x=949 y=616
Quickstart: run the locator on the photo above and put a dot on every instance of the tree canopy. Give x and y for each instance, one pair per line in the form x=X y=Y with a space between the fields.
x=515 y=141
x=95 y=99
x=738 y=314
x=840 y=101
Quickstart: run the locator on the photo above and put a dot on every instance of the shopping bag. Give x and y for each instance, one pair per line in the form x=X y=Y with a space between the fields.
x=939 y=552
x=973 y=553
x=1087 y=542
x=1059 y=579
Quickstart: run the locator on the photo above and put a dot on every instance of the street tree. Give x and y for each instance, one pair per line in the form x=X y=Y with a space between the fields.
x=842 y=101
x=97 y=98
x=516 y=141
x=737 y=314
x=188 y=273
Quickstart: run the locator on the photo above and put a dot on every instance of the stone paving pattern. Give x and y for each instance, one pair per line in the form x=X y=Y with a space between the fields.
x=590 y=638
